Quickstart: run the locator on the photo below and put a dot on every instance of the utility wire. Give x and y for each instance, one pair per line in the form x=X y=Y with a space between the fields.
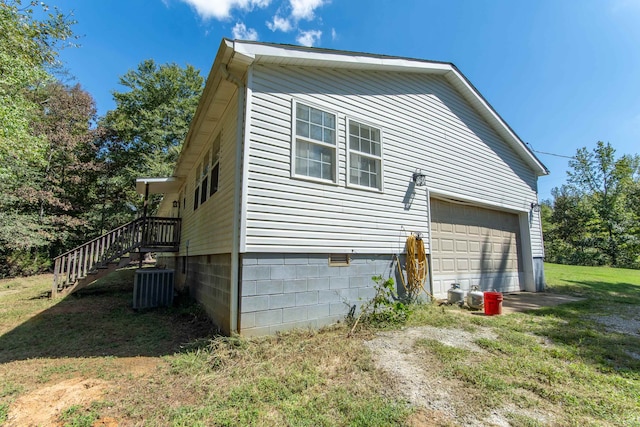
x=549 y=154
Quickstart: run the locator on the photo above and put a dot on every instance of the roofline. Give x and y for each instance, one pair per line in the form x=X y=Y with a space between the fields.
x=247 y=53
x=261 y=51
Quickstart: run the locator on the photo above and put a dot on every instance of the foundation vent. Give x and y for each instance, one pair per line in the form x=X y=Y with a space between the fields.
x=153 y=288
x=338 y=260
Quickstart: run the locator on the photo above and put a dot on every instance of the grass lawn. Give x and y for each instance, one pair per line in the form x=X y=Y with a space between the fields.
x=573 y=364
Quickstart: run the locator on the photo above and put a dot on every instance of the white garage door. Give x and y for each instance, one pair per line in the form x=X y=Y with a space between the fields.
x=474 y=246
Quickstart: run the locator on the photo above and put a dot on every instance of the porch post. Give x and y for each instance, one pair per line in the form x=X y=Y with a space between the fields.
x=144 y=220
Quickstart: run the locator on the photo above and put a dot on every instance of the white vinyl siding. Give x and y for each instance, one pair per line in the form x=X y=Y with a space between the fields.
x=208 y=230
x=426 y=125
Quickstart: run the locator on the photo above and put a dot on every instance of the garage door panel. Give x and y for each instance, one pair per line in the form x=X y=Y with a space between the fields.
x=446 y=227
x=462 y=264
x=446 y=245
x=447 y=264
x=462 y=246
x=474 y=244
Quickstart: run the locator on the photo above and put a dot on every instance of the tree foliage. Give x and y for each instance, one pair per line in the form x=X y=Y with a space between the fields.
x=65 y=175
x=146 y=130
x=28 y=48
x=594 y=217
x=28 y=52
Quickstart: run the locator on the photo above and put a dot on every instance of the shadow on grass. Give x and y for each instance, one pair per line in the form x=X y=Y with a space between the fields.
x=99 y=321
x=579 y=330
x=612 y=292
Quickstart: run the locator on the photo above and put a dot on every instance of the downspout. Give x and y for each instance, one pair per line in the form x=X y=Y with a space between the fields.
x=235 y=241
x=429 y=230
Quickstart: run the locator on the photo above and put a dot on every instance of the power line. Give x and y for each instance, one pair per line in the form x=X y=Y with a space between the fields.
x=549 y=154
x=552 y=154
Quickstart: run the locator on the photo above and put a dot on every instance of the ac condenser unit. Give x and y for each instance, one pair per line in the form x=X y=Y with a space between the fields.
x=153 y=288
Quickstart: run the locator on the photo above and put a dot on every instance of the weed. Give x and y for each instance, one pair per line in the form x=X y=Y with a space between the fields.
x=445 y=353
x=384 y=310
x=518 y=420
x=76 y=416
x=4 y=412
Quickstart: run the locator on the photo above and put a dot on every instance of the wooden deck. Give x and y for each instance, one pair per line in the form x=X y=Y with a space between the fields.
x=150 y=234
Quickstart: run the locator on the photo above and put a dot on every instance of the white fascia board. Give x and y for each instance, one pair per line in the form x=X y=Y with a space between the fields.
x=158 y=185
x=264 y=53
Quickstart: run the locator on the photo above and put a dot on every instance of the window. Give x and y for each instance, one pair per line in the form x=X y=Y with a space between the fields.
x=206 y=181
x=196 y=193
x=204 y=177
x=365 y=155
x=215 y=168
x=315 y=143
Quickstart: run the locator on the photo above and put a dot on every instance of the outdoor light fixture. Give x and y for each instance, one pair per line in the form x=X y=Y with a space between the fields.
x=175 y=204
x=535 y=206
x=419 y=178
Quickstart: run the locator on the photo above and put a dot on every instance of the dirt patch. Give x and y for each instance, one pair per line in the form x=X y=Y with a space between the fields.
x=626 y=322
x=138 y=366
x=42 y=407
x=439 y=400
x=394 y=353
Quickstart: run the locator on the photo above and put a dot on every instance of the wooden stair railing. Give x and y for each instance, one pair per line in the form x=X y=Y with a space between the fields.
x=150 y=234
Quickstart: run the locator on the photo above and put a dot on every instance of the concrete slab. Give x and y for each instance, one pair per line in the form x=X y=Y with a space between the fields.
x=516 y=302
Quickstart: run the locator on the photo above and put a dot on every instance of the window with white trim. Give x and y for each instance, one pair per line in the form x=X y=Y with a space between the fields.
x=365 y=155
x=215 y=166
x=315 y=143
x=196 y=191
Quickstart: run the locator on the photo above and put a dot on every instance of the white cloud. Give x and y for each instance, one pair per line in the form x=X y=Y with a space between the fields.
x=279 y=23
x=221 y=9
x=309 y=38
x=334 y=35
x=241 y=32
x=304 y=9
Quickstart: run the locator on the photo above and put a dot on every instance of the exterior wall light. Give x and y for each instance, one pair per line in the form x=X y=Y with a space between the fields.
x=175 y=204
x=419 y=178
x=535 y=206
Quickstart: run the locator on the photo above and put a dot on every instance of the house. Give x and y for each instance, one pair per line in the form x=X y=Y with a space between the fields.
x=305 y=170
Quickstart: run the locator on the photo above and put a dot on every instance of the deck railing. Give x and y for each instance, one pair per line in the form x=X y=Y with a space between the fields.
x=150 y=234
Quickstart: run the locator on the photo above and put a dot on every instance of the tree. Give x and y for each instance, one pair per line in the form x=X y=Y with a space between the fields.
x=28 y=48
x=28 y=51
x=594 y=219
x=65 y=189
x=146 y=130
x=605 y=182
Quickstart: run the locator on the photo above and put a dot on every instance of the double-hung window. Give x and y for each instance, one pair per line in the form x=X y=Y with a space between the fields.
x=196 y=192
x=207 y=175
x=215 y=167
x=315 y=144
x=204 y=183
x=365 y=155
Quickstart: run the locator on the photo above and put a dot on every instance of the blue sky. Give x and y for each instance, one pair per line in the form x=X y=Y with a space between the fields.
x=563 y=73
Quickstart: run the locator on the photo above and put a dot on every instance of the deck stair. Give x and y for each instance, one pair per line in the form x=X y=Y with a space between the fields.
x=93 y=260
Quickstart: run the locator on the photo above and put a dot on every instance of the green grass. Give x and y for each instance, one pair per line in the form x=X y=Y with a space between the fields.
x=556 y=359
x=555 y=365
x=197 y=378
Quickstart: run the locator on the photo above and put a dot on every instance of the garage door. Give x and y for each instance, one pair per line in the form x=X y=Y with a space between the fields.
x=474 y=246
